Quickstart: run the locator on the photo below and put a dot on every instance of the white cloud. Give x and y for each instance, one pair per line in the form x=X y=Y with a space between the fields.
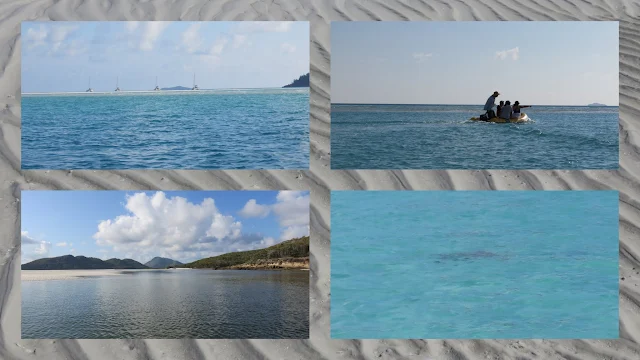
x=60 y=33
x=41 y=250
x=62 y=244
x=253 y=209
x=151 y=33
x=191 y=39
x=131 y=26
x=26 y=239
x=239 y=40
x=247 y=27
x=422 y=57
x=35 y=37
x=291 y=209
x=287 y=48
x=173 y=227
x=511 y=53
x=266 y=242
x=218 y=45
x=55 y=37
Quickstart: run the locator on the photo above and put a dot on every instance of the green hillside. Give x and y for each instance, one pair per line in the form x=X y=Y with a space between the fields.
x=294 y=248
x=69 y=262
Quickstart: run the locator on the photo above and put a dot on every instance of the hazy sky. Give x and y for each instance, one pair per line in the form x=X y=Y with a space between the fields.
x=61 y=56
x=182 y=225
x=537 y=62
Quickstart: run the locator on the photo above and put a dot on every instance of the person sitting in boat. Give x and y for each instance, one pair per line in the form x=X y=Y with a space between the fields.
x=517 y=107
x=505 y=112
x=499 y=107
x=488 y=106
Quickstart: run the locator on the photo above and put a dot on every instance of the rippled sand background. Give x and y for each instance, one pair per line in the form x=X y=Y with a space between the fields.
x=320 y=179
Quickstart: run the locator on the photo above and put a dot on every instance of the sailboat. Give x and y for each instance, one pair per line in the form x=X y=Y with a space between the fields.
x=195 y=87
x=156 y=88
x=117 y=84
x=89 y=89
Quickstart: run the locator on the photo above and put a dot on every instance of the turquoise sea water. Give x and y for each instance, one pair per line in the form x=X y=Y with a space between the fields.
x=217 y=129
x=442 y=137
x=474 y=264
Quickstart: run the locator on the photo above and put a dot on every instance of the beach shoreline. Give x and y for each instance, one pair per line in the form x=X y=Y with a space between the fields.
x=41 y=275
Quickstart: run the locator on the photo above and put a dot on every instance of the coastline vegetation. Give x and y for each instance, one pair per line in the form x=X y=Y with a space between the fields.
x=289 y=254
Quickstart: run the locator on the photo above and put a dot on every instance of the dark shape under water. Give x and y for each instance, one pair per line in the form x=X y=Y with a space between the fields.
x=461 y=256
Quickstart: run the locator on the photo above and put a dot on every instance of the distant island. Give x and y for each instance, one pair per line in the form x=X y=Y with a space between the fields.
x=289 y=254
x=70 y=262
x=176 y=88
x=302 y=81
x=162 y=263
x=596 y=104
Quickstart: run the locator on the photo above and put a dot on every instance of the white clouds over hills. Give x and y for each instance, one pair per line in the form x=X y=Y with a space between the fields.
x=157 y=225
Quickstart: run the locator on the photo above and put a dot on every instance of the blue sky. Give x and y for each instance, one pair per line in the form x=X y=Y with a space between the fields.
x=182 y=225
x=61 y=56
x=538 y=62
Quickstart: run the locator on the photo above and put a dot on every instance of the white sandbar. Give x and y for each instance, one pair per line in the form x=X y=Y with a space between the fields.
x=38 y=275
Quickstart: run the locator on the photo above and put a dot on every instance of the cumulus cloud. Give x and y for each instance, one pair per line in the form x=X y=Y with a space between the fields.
x=132 y=26
x=61 y=244
x=157 y=225
x=247 y=27
x=36 y=37
x=26 y=239
x=239 y=40
x=41 y=249
x=253 y=209
x=54 y=37
x=422 y=57
x=218 y=45
x=291 y=209
x=511 y=53
x=287 y=48
x=151 y=33
x=191 y=39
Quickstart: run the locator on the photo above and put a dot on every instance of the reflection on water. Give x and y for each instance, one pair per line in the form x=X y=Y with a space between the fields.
x=169 y=304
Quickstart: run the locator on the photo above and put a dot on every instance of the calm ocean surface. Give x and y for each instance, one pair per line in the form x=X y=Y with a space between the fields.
x=441 y=137
x=207 y=129
x=145 y=304
x=492 y=264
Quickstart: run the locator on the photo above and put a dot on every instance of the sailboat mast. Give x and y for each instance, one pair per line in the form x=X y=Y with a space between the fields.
x=156 y=81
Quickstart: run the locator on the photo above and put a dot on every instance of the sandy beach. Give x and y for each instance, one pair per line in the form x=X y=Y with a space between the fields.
x=320 y=179
x=38 y=275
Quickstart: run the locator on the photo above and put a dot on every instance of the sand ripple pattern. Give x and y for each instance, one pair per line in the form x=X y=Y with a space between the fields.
x=320 y=179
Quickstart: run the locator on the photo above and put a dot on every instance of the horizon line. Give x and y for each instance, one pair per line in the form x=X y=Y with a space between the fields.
x=478 y=104
x=156 y=91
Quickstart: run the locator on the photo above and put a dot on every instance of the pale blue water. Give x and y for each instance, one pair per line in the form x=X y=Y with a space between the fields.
x=221 y=129
x=441 y=137
x=443 y=265
x=169 y=304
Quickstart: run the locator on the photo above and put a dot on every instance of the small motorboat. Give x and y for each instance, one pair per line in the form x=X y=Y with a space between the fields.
x=522 y=119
